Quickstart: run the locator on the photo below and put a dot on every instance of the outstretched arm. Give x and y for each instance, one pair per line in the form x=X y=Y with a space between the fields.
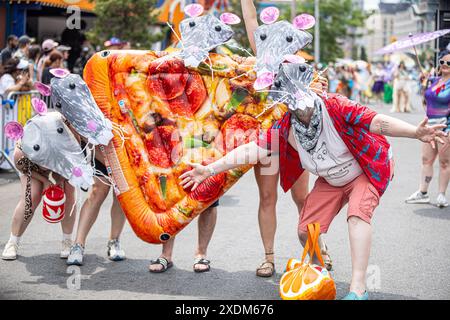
x=389 y=126
x=249 y=153
x=251 y=21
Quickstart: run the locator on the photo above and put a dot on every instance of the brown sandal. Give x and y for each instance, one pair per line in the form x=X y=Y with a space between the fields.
x=266 y=265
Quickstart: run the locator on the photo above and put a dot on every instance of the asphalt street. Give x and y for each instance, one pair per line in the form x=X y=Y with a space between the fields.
x=409 y=258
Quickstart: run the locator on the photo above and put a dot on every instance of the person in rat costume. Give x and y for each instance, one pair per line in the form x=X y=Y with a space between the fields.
x=340 y=141
x=47 y=153
x=73 y=99
x=275 y=42
x=200 y=34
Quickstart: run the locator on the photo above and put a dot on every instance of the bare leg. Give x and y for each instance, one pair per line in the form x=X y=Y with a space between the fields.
x=167 y=250
x=360 y=234
x=70 y=208
x=117 y=219
x=267 y=185
x=444 y=169
x=300 y=190
x=90 y=209
x=18 y=225
x=406 y=95
x=206 y=224
x=428 y=157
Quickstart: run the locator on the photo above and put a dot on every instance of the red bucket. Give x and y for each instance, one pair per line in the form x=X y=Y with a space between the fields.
x=53 y=204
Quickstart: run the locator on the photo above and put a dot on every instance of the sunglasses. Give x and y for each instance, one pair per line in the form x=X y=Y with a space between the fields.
x=442 y=62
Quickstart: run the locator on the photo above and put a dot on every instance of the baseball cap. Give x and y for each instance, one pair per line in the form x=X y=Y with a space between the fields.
x=113 y=42
x=23 y=64
x=49 y=44
x=24 y=40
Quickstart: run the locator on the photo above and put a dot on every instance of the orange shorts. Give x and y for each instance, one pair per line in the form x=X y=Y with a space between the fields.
x=325 y=201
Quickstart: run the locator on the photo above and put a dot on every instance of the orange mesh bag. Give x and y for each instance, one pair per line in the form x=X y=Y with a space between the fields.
x=307 y=281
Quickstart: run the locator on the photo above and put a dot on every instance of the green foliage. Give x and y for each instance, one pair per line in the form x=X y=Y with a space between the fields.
x=338 y=22
x=128 y=20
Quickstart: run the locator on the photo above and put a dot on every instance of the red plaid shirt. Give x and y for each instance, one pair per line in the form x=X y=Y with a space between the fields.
x=352 y=122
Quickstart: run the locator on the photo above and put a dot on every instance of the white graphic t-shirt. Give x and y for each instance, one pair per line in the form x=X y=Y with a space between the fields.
x=331 y=158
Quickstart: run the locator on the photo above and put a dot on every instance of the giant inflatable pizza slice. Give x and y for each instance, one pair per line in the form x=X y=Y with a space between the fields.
x=167 y=116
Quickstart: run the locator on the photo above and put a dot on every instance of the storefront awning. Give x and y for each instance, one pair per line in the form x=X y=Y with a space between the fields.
x=85 y=5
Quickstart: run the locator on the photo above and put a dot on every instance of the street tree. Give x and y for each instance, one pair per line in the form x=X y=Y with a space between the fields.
x=129 y=20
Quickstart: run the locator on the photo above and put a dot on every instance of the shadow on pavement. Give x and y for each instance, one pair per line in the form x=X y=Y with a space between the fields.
x=434 y=212
x=132 y=275
x=229 y=201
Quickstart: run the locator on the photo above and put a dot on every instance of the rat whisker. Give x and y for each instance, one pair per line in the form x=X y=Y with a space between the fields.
x=243 y=49
x=175 y=33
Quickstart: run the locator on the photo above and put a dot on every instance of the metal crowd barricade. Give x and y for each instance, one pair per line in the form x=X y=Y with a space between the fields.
x=15 y=107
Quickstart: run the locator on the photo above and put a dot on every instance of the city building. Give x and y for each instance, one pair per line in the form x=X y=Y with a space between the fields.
x=393 y=21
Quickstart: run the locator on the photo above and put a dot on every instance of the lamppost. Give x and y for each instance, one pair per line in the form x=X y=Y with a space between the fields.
x=316 y=32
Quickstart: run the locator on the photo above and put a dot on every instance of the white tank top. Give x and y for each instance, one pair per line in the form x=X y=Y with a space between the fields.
x=331 y=158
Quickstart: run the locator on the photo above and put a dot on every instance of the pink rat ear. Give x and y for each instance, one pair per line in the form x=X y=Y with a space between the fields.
x=39 y=106
x=43 y=89
x=60 y=73
x=293 y=58
x=263 y=81
x=304 y=21
x=229 y=18
x=269 y=15
x=14 y=130
x=193 y=10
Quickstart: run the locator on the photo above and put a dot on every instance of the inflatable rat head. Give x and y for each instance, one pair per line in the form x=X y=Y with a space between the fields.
x=292 y=87
x=201 y=34
x=71 y=96
x=277 y=41
x=48 y=142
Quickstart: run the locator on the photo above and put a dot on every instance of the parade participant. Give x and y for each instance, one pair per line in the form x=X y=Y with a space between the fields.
x=89 y=213
x=47 y=153
x=437 y=98
x=402 y=90
x=340 y=141
x=68 y=92
x=378 y=85
x=204 y=43
x=206 y=224
x=267 y=183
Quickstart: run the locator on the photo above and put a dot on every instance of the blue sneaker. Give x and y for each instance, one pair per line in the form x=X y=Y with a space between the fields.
x=354 y=296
